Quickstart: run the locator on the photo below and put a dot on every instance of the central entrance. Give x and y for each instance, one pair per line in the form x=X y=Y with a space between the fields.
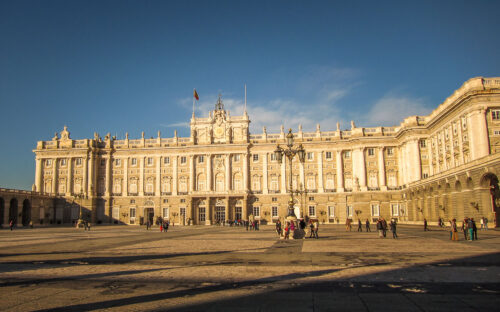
x=220 y=213
x=149 y=214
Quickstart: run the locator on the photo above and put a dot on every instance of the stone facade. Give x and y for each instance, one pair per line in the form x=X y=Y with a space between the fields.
x=441 y=165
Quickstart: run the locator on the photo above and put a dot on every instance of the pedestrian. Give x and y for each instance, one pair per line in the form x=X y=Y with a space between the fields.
x=316 y=228
x=470 y=228
x=425 y=225
x=246 y=224
x=454 y=230
x=485 y=223
x=482 y=223
x=11 y=224
x=161 y=227
x=368 y=225
x=338 y=220
x=474 y=229
x=287 y=230
x=380 y=228
x=31 y=224
x=393 y=229
x=360 y=226
x=278 y=228
x=348 y=226
x=384 y=227
x=292 y=228
x=148 y=225
x=311 y=228
x=464 y=227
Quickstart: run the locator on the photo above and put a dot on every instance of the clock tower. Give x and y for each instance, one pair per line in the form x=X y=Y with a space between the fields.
x=220 y=127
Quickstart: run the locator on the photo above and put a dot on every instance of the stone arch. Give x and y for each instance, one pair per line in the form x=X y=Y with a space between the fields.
x=201 y=181
x=469 y=183
x=237 y=182
x=26 y=212
x=13 y=210
x=490 y=197
x=219 y=182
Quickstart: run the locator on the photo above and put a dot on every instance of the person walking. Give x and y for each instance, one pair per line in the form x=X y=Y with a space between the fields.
x=384 y=227
x=485 y=224
x=348 y=226
x=368 y=225
x=148 y=225
x=393 y=228
x=474 y=229
x=454 y=231
x=360 y=226
x=464 y=228
x=316 y=228
x=278 y=228
x=311 y=228
x=470 y=229
x=287 y=230
x=425 y=225
x=482 y=223
x=11 y=224
x=380 y=228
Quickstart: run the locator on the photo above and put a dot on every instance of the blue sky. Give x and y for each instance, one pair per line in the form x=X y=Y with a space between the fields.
x=131 y=66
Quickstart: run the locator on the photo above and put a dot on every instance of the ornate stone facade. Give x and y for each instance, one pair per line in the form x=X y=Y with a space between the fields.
x=441 y=165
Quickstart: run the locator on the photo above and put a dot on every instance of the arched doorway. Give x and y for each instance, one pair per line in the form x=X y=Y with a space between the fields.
x=26 y=213
x=149 y=212
x=2 y=211
x=491 y=181
x=13 y=210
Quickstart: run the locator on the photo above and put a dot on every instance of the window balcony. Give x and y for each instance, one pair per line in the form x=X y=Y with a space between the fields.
x=132 y=194
x=274 y=191
x=330 y=190
x=374 y=188
x=166 y=193
x=117 y=194
x=182 y=193
x=149 y=194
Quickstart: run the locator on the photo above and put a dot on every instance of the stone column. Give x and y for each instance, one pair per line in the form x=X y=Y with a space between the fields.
x=414 y=164
x=460 y=143
x=158 y=176
x=125 y=176
x=479 y=144
x=452 y=147
x=191 y=174
x=245 y=172
x=302 y=176
x=85 y=175
x=443 y=144
x=38 y=175
x=91 y=176
x=141 y=176
x=381 y=170
x=283 y=176
x=228 y=173
x=436 y=151
x=265 y=188
x=209 y=172
x=54 y=176
x=340 y=171
x=401 y=164
x=359 y=169
x=208 y=212
x=108 y=176
x=429 y=156
x=320 y=173
x=244 y=209
x=69 y=181
x=226 y=208
x=174 y=175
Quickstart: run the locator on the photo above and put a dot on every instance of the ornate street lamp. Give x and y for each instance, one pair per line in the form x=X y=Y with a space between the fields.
x=80 y=196
x=290 y=152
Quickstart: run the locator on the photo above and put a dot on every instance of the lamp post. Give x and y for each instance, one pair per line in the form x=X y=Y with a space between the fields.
x=290 y=152
x=80 y=196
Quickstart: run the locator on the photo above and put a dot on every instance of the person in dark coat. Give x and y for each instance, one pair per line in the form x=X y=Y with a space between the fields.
x=393 y=229
x=474 y=229
x=368 y=225
x=384 y=227
x=425 y=225
x=278 y=228
x=360 y=226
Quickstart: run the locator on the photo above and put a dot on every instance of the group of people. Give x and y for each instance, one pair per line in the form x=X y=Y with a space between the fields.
x=469 y=228
x=164 y=226
x=382 y=228
x=290 y=227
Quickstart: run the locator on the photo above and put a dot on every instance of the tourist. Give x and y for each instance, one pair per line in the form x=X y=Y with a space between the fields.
x=380 y=228
x=360 y=226
x=311 y=228
x=347 y=224
x=11 y=224
x=368 y=225
x=161 y=227
x=454 y=231
x=470 y=228
x=292 y=228
x=425 y=225
x=316 y=228
x=464 y=227
x=384 y=227
x=148 y=225
x=393 y=228
x=246 y=224
x=287 y=230
x=167 y=224
x=482 y=223
x=485 y=224
x=278 y=228
x=474 y=228
x=337 y=220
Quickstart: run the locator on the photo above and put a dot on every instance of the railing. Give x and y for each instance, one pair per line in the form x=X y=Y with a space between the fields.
x=309 y=135
x=255 y=137
x=133 y=194
x=182 y=193
x=273 y=136
x=256 y=192
x=330 y=190
x=184 y=140
x=166 y=193
x=117 y=194
x=274 y=191
x=374 y=188
x=348 y=189
x=149 y=193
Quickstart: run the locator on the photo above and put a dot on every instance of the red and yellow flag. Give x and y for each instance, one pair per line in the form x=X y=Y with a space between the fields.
x=195 y=94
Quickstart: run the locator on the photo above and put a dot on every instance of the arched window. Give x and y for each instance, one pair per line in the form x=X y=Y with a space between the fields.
x=219 y=182
x=183 y=184
x=166 y=185
x=311 y=182
x=133 y=186
x=237 y=185
x=329 y=185
x=274 y=183
x=256 y=183
x=200 y=186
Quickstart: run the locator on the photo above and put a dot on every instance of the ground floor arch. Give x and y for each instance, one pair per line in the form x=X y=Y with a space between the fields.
x=2 y=211
x=26 y=212
x=13 y=210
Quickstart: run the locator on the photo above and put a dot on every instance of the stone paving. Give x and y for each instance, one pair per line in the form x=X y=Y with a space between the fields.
x=211 y=268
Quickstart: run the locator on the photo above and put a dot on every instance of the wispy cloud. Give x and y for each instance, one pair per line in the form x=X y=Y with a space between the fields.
x=391 y=109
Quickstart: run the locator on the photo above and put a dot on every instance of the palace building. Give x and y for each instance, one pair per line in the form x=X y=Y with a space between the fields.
x=444 y=165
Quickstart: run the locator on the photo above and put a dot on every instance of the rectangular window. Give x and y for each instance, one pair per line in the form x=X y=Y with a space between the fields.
x=183 y=159
x=201 y=159
x=256 y=211
x=237 y=157
x=103 y=162
x=132 y=201
x=312 y=211
x=274 y=199
x=165 y=201
x=496 y=132
x=166 y=160
x=183 y=200
x=255 y=157
x=201 y=216
x=371 y=152
x=423 y=144
x=347 y=154
x=311 y=198
x=328 y=155
x=274 y=211
x=331 y=211
x=495 y=114
x=118 y=162
x=48 y=162
x=132 y=213
x=425 y=175
x=63 y=162
x=395 y=209
x=150 y=161
x=273 y=157
x=165 y=213
x=310 y=155
x=375 y=210
x=390 y=151
x=134 y=161
x=349 y=211
x=78 y=161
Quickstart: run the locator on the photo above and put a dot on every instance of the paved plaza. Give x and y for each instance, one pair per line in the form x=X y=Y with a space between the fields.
x=211 y=268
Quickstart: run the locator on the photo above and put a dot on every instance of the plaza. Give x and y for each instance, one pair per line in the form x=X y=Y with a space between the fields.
x=218 y=268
